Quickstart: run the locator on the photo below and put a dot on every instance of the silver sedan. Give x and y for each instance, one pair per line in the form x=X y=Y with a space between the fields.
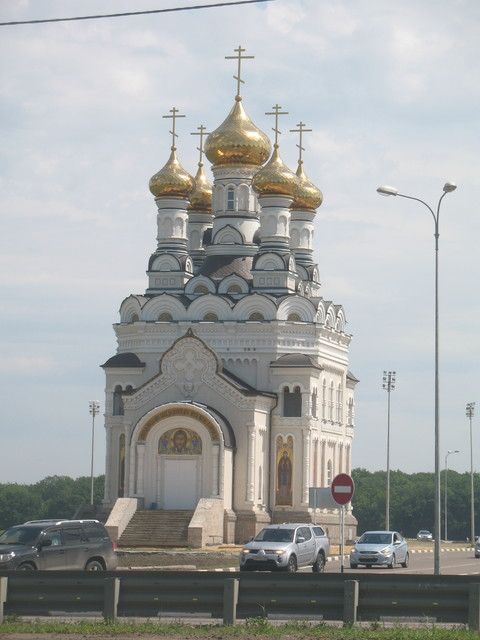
x=380 y=548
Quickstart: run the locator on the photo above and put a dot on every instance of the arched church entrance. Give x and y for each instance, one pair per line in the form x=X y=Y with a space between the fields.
x=179 y=468
x=177 y=452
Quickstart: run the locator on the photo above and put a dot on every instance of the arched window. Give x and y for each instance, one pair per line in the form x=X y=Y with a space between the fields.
x=117 y=401
x=134 y=318
x=330 y=402
x=324 y=399
x=230 y=199
x=339 y=403
x=256 y=316
x=314 y=403
x=234 y=288
x=292 y=403
x=350 y=412
x=200 y=289
x=294 y=317
x=165 y=317
x=121 y=465
x=210 y=317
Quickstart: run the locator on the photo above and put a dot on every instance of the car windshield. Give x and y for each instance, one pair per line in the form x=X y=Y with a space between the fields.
x=275 y=535
x=20 y=535
x=376 y=538
x=424 y=532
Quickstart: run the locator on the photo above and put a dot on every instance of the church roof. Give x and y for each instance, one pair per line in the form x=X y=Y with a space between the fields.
x=219 y=267
x=244 y=387
x=295 y=360
x=123 y=360
x=351 y=377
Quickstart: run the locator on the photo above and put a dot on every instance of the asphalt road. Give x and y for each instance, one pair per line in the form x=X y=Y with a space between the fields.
x=451 y=563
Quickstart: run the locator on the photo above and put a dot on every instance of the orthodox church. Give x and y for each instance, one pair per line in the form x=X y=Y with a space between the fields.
x=230 y=393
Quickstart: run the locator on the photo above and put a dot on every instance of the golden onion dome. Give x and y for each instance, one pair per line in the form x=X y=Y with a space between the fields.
x=307 y=195
x=237 y=140
x=172 y=180
x=275 y=178
x=201 y=196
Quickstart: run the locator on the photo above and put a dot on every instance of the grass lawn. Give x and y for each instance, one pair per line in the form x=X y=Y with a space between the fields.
x=257 y=628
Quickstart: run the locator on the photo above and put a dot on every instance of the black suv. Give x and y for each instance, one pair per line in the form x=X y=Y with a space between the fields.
x=57 y=544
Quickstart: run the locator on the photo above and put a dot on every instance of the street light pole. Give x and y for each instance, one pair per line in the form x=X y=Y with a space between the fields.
x=446 y=476
x=447 y=188
x=94 y=408
x=389 y=386
x=470 y=412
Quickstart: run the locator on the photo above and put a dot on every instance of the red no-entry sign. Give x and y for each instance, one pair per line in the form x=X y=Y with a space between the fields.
x=342 y=488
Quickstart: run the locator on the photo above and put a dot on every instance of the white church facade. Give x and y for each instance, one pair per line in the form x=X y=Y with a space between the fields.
x=230 y=393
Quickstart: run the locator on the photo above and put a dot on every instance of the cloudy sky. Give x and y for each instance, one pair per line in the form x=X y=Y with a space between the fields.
x=391 y=91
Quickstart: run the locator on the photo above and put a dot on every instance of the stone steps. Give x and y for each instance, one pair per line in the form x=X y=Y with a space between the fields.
x=157 y=529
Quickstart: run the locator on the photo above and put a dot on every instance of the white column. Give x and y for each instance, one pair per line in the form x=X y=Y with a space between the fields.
x=129 y=465
x=323 y=476
x=215 y=468
x=341 y=468
x=306 y=465
x=140 y=469
x=108 y=465
x=251 y=464
x=306 y=403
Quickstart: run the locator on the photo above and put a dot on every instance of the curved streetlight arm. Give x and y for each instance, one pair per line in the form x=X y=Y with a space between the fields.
x=435 y=217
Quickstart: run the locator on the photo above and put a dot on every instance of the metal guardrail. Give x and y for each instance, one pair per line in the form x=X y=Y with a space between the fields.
x=351 y=598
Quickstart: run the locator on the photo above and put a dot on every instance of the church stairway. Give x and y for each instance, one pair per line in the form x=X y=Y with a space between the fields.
x=157 y=528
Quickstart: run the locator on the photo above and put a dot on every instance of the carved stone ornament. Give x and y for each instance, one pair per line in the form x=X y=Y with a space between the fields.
x=190 y=363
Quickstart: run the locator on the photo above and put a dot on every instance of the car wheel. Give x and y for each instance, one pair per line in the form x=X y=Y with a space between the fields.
x=319 y=564
x=26 y=566
x=94 y=565
x=353 y=565
x=292 y=565
x=405 y=562
x=392 y=562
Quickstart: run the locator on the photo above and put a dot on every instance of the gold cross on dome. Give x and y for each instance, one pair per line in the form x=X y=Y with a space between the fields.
x=202 y=131
x=301 y=130
x=239 y=58
x=276 y=112
x=175 y=114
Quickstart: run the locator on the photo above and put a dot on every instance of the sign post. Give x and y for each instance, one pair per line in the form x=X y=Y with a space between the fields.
x=342 y=490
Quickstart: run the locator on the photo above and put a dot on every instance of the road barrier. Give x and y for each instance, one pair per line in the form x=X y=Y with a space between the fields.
x=351 y=598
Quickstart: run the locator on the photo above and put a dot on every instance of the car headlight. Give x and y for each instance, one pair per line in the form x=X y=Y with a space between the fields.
x=386 y=550
x=5 y=557
x=245 y=551
x=280 y=552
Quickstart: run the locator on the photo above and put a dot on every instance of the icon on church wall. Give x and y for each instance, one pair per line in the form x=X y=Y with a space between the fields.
x=283 y=496
x=180 y=441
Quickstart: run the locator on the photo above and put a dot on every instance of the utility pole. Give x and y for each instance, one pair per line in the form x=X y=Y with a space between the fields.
x=389 y=378
x=94 y=407
x=470 y=412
